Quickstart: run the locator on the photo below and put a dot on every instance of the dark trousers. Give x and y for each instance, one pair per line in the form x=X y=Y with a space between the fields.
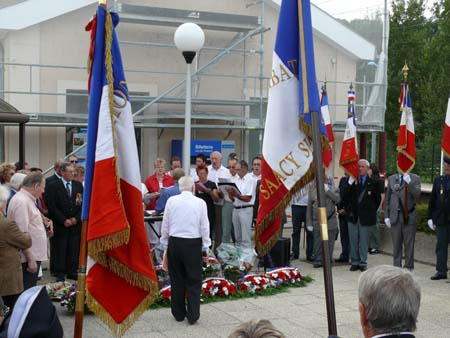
x=185 y=270
x=345 y=242
x=318 y=244
x=299 y=217
x=403 y=236
x=30 y=278
x=67 y=250
x=217 y=226
x=443 y=240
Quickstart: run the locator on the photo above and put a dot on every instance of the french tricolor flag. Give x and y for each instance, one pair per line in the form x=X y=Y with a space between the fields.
x=349 y=152
x=327 y=151
x=121 y=282
x=406 y=141
x=287 y=154
x=446 y=134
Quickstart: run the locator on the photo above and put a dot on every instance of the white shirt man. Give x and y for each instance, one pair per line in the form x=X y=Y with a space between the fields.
x=185 y=234
x=243 y=205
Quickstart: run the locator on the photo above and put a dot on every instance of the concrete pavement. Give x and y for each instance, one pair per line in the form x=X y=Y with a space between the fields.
x=298 y=313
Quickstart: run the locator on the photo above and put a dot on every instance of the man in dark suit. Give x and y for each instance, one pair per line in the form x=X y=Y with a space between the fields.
x=362 y=199
x=389 y=301
x=48 y=181
x=439 y=219
x=64 y=205
x=400 y=212
x=343 y=222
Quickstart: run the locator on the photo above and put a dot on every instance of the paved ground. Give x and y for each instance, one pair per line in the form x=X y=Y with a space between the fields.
x=300 y=312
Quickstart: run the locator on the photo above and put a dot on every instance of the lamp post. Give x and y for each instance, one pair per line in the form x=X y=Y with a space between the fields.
x=189 y=39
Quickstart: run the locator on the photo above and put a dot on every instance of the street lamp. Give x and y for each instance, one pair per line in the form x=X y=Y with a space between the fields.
x=189 y=39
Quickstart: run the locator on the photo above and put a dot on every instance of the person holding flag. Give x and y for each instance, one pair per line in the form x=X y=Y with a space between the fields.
x=121 y=282
x=403 y=189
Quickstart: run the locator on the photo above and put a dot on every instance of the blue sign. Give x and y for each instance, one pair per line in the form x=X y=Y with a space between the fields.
x=205 y=147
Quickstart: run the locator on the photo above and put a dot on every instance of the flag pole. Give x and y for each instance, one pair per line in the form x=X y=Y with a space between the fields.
x=405 y=70
x=319 y=173
x=326 y=259
x=81 y=283
x=82 y=264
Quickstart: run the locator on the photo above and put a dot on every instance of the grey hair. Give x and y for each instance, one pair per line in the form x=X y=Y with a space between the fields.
x=186 y=183
x=4 y=194
x=391 y=297
x=17 y=180
x=33 y=178
x=256 y=329
x=363 y=160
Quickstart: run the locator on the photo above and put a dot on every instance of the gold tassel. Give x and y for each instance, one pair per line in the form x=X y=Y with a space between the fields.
x=120 y=329
x=108 y=242
x=261 y=248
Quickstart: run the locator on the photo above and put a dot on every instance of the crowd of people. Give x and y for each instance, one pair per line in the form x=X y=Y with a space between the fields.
x=41 y=218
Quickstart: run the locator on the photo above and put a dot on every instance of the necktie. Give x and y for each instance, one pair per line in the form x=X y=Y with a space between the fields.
x=68 y=188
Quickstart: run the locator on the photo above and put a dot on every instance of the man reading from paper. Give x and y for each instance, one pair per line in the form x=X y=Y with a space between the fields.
x=185 y=235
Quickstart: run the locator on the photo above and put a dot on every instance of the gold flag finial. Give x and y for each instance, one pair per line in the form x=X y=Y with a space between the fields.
x=325 y=84
x=405 y=71
x=351 y=85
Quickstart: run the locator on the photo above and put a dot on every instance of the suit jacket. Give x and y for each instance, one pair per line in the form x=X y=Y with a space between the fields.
x=61 y=206
x=332 y=197
x=439 y=203
x=362 y=201
x=48 y=181
x=395 y=200
x=11 y=240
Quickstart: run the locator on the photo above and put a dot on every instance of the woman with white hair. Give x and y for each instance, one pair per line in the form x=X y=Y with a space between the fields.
x=14 y=185
x=11 y=240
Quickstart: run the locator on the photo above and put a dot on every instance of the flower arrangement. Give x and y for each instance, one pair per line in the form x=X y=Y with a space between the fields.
x=255 y=283
x=163 y=276
x=234 y=273
x=288 y=275
x=164 y=296
x=219 y=287
x=211 y=268
x=57 y=290
x=69 y=297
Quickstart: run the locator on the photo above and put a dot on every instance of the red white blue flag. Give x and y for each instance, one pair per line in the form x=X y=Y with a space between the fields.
x=406 y=141
x=446 y=134
x=287 y=148
x=349 y=151
x=121 y=282
x=327 y=152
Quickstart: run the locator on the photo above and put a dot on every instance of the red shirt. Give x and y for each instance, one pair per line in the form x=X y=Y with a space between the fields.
x=152 y=185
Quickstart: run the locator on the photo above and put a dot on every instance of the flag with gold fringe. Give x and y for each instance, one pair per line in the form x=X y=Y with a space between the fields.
x=406 y=140
x=121 y=282
x=287 y=158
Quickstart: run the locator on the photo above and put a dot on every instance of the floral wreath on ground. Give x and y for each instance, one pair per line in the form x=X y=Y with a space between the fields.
x=256 y=283
x=218 y=287
x=285 y=276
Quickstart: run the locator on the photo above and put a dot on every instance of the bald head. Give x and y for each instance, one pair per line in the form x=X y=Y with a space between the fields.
x=216 y=159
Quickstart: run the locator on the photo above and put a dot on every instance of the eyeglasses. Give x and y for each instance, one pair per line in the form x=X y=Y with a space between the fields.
x=73 y=161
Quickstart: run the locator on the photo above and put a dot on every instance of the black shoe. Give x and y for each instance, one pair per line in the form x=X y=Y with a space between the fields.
x=60 y=279
x=72 y=276
x=374 y=251
x=354 y=268
x=293 y=256
x=362 y=268
x=192 y=321
x=317 y=265
x=179 y=319
x=310 y=258
x=438 y=276
x=342 y=260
